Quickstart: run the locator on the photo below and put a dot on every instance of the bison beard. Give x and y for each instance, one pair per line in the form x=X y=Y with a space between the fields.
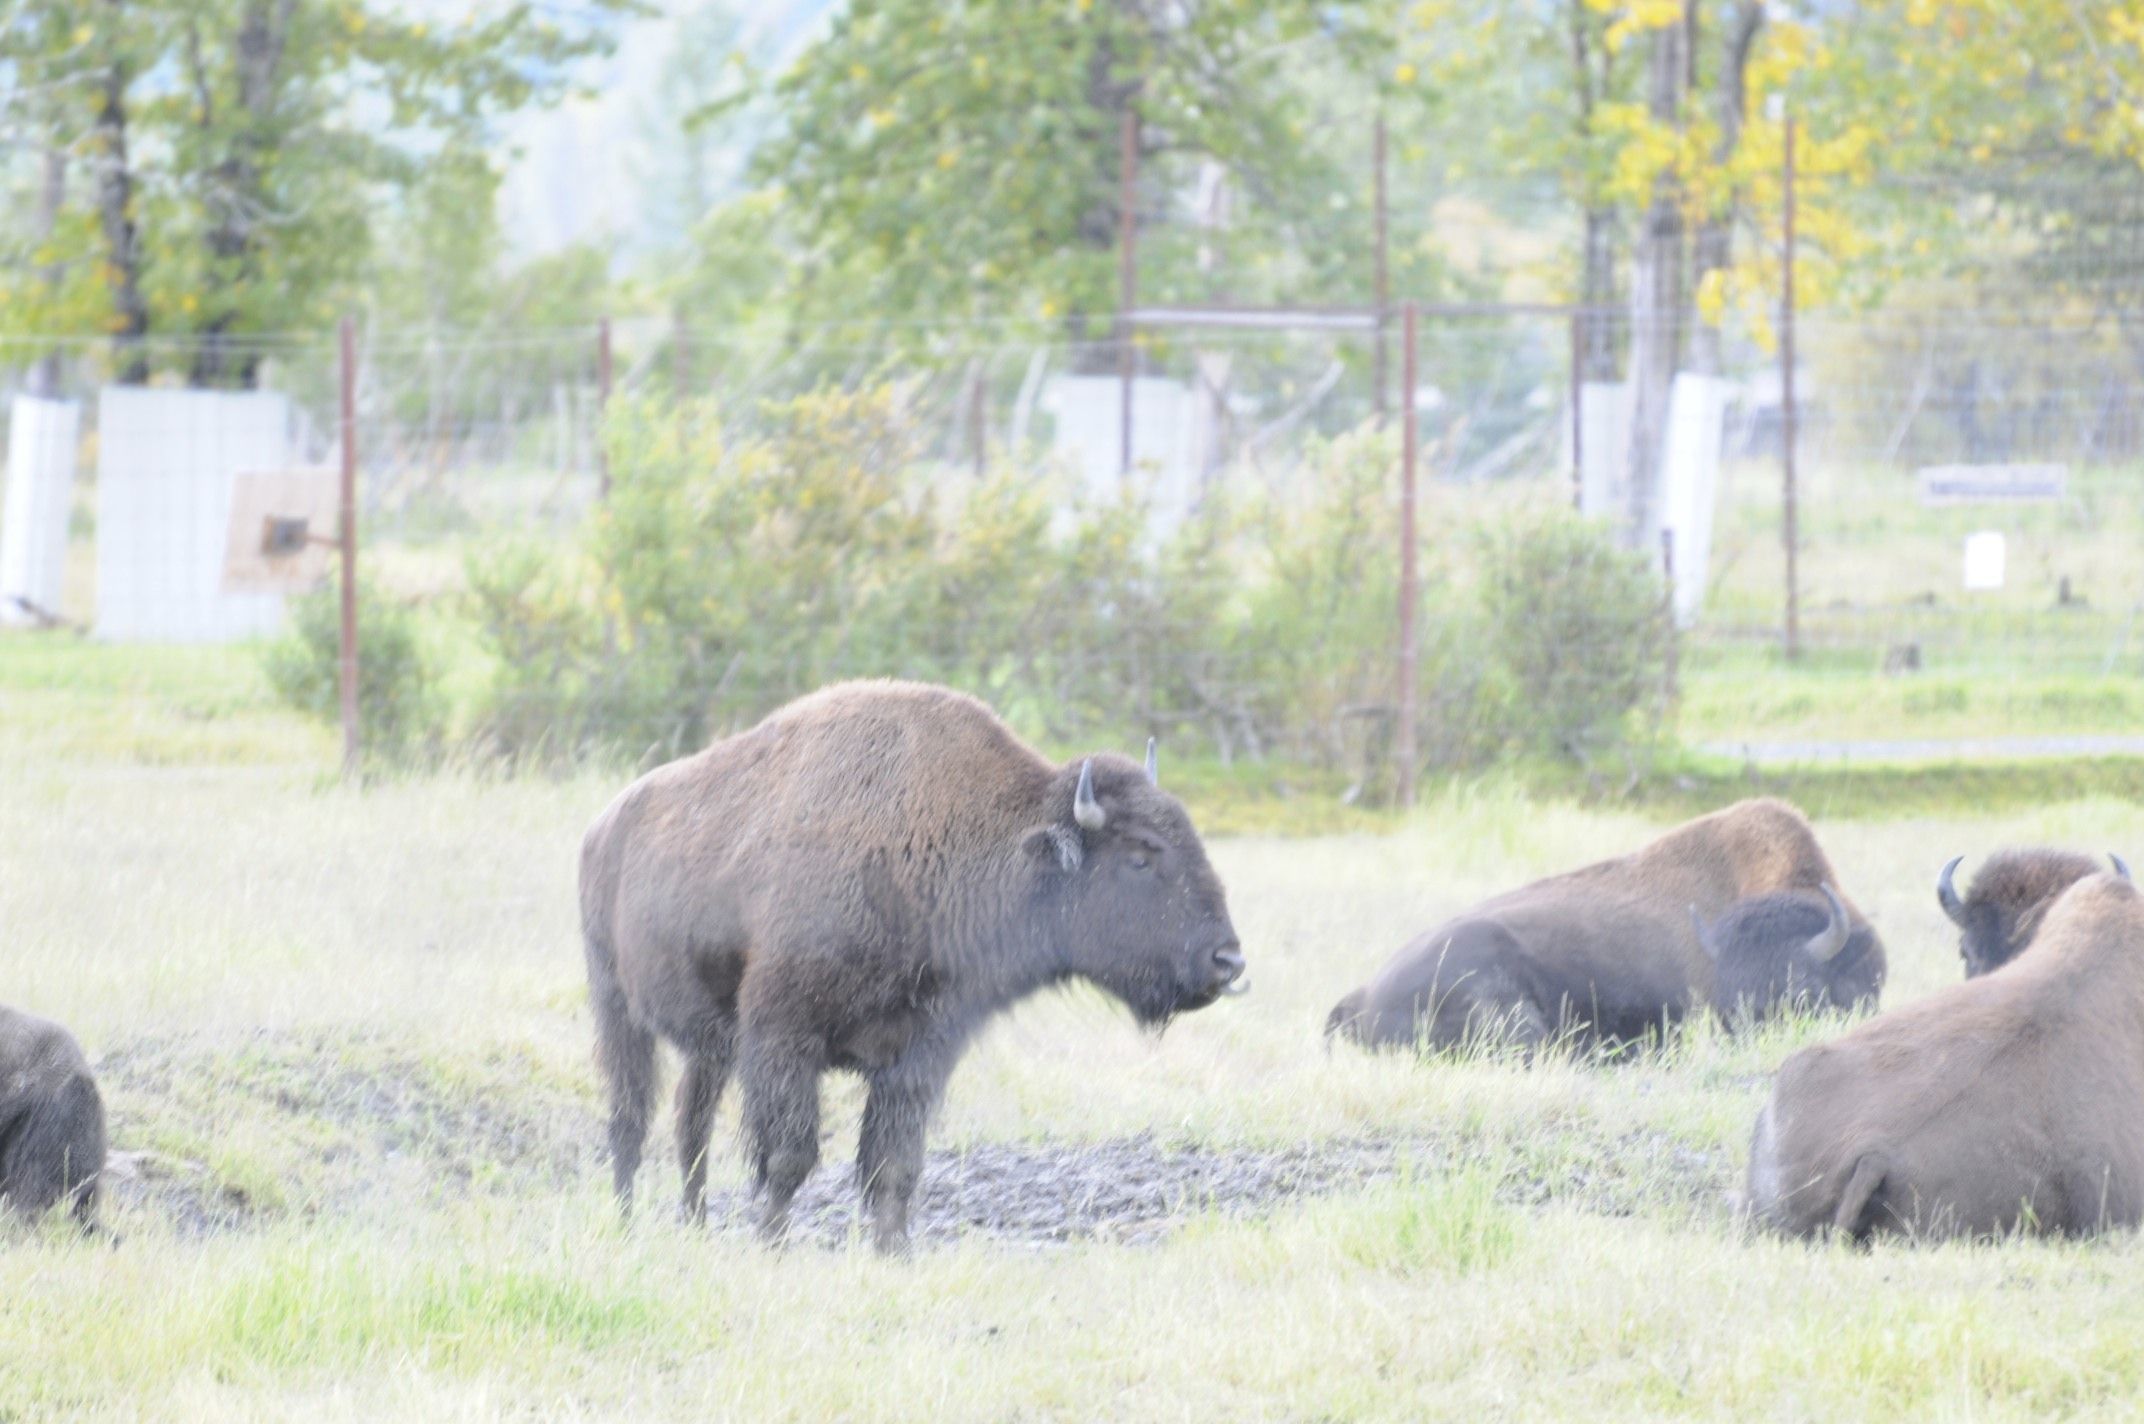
x=859 y=883
x=51 y=1121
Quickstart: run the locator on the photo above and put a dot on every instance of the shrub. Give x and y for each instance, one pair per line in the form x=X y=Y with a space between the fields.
x=727 y=575
x=398 y=705
x=1577 y=631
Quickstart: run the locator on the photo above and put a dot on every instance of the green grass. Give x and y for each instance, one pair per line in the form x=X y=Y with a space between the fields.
x=350 y=1024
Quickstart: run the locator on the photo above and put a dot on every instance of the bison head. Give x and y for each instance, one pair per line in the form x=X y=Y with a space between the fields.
x=1132 y=902
x=1789 y=953
x=1999 y=916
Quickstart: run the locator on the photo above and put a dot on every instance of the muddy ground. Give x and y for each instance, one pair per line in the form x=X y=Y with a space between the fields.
x=217 y=1136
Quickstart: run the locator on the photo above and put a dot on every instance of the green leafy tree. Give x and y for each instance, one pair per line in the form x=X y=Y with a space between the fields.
x=238 y=150
x=948 y=158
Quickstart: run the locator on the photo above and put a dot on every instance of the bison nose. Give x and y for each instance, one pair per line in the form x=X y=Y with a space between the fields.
x=1228 y=968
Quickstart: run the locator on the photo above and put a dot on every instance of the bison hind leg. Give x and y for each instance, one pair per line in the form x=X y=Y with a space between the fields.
x=779 y=1080
x=699 y=1091
x=626 y=1053
x=1488 y=1013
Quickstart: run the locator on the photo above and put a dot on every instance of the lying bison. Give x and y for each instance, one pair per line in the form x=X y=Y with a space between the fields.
x=2012 y=1101
x=51 y=1121
x=1608 y=953
x=2011 y=893
x=1789 y=953
x=859 y=882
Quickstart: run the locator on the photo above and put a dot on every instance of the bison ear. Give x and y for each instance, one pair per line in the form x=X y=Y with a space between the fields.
x=1060 y=844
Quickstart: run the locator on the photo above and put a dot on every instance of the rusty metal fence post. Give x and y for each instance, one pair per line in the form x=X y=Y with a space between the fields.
x=347 y=539
x=1127 y=278
x=1404 y=738
x=1790 y=497
x=602 y=406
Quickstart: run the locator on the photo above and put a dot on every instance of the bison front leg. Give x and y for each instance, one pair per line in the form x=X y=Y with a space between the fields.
x=780 y=1082
x=889 y=1154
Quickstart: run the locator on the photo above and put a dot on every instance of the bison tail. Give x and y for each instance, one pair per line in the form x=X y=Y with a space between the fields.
x=57 y=1158
x=1854 y=1217
x=625 y=1051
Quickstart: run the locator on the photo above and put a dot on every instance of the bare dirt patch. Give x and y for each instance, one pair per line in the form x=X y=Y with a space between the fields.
x=215 y=1135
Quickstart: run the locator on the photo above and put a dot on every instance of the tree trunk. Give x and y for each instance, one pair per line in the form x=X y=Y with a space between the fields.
x=235 y=199
x=1713 y=248
x=1109 y=95
x=1592 y=72
x=51 y=197
x=1597 y=297
x=1656 y=299
x=122 y=239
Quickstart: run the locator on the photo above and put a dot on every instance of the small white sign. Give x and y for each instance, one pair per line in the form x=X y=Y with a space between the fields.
x=1983 y=561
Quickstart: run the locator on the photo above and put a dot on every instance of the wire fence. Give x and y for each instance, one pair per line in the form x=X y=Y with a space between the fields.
x=1920 y=433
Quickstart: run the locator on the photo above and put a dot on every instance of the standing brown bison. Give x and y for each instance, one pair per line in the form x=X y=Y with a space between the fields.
x=2012 y=1101
x=1607 y=953
x=2010 y=896
x=51 y=1121
x=859 y=882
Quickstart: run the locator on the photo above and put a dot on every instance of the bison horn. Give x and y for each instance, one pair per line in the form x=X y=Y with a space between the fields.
x=1085 y=809
x=1153 y=766
x=1704 y=936
x=2121 y=866
x=1947 y=894
x=1825 y=945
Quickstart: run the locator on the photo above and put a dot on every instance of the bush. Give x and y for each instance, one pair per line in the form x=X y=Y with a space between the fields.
x=1578 y=633
x=398 y=706
x=726 y=576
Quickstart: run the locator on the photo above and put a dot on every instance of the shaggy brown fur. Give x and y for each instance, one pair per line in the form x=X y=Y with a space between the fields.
x=51 y=1121
x=1608 y=952
x=2011 y=893
x=858 y=883
x=2012 y=1101
x=1789 y=952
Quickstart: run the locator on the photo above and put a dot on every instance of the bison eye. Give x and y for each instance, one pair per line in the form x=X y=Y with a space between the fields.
x=1140 y=860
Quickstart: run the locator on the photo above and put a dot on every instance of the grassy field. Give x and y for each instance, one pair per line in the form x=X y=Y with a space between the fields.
x=346 y=1057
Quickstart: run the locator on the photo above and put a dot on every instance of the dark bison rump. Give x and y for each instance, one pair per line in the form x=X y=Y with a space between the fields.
x=1608 y=953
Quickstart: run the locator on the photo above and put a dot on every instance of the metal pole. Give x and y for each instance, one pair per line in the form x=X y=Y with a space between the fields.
x=1127 y=276
x=1670 y=669
x=1409 y=443
x=1790 y=514
x=602 y=406
x=347 y=670
x=1380 y=270
x=1578 y=410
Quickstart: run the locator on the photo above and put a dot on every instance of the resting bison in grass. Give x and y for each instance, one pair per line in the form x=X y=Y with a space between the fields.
x=2011 y=894
x=1788 y=953
x=859 y=882
x=2012 y=1101
x=51 y=1121
x=1606 y=954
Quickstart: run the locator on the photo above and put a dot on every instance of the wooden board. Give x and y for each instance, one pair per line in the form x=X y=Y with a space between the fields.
x=278 y=518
